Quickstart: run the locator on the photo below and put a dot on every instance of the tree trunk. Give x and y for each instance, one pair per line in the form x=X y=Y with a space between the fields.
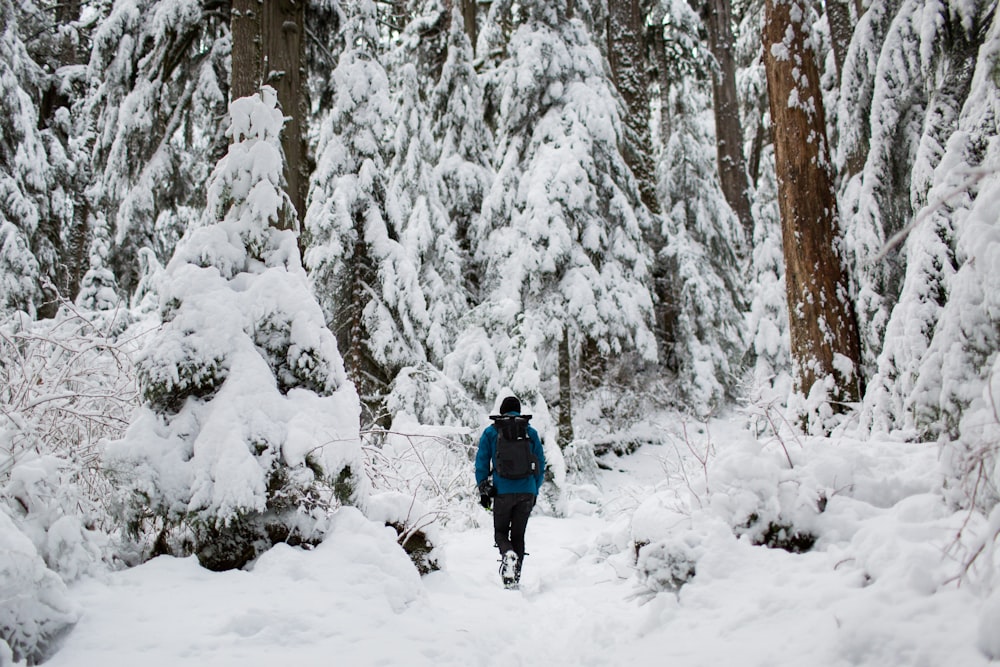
x=838 y=16
x=628 y=59
x=469 y=16
x=269 y=49
x=62 y=263
x=247 y=49
x=565 y=436
x=716 y=16
x=665 y=308
x=824 y=332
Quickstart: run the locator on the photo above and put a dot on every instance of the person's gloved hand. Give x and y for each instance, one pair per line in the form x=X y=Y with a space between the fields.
x=486 y=493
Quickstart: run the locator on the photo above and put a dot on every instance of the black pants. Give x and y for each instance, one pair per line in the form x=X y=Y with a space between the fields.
x=510 y=519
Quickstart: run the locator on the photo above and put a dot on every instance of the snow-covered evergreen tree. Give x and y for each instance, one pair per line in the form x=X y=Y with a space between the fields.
x=367 y=283
x=463 y=174
x=560 y=239
x=157 y=89
x=701 y=233
x=698 y=274
x=767 y=328
x=931 y=173
x=428 y=234
x=58 y=35
x=27 y=252
x=917 y=88
x=249 y=432
x=955 y=395
x=431 y=237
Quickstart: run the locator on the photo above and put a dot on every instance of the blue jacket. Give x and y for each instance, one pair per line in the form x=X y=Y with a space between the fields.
x=484 y=463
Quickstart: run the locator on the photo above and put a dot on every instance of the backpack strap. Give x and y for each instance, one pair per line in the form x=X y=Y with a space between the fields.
x=511 y=427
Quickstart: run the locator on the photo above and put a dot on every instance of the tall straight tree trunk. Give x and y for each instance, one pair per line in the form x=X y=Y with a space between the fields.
x=717 y=17
x=627 y=56
x=565 y=436
x=248 y=48
x=824 y=332
x=666 y=312
x=469 y=18
x=838 y=16
x=72 y=259
x=269 y=49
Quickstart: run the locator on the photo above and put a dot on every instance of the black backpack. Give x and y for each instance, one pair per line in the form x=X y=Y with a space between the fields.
x=514 y=459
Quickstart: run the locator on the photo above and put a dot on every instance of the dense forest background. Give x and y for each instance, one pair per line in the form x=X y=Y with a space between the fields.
x=370 y=210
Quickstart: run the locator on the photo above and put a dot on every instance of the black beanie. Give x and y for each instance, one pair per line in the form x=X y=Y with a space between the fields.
x=510 y=404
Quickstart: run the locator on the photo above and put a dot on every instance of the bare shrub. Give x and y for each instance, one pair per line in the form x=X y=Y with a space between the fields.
x=66 y=385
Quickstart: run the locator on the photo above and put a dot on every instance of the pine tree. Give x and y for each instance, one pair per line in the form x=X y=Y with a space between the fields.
x=701 y=231
x=917 y=89
x=249 y=429
x=857 y=87
x=29 y=190
x=428 y=234
x=463 y=175
x=946 y=318
x=698 y=275
x=269 y=48
x=56 y=44
x=769 y=355
x=561 y=243
x=629 y=60
x=716 y=16
x=367 y=284
x=152 y=119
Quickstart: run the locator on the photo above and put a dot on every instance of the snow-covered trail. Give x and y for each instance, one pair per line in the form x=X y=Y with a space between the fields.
x=871 y=594
x=297 y=609
x=570 y=610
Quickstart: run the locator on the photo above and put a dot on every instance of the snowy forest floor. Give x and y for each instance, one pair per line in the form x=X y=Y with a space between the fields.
x=874 y=591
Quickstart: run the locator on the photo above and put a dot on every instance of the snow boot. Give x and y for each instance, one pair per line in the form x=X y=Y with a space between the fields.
x=510 y=569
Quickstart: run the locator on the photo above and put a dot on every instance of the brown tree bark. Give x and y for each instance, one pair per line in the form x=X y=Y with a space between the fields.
x=838 y=16
x=822 y=325
x=628 y=60
x=717 y=17
x=469 y=16
x=565 y=433
x=269 y=49
x=248 y=48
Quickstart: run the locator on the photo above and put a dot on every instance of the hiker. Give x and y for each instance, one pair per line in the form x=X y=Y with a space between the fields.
x=510 y=468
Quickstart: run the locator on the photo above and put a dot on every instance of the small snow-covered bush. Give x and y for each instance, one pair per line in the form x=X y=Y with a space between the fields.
x=432 y=397
x=415 y=525
x=50 y=503
x=667 y=564
x=777 y=533
x=35 y=610
x=669 y=542
x=665 y=556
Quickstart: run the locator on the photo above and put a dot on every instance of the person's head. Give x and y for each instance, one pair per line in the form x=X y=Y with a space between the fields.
x=510 y=404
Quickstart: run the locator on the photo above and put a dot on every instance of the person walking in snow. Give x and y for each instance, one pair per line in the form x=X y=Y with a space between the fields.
x=510 y=468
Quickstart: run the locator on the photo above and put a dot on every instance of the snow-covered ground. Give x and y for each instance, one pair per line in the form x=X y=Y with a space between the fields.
x=878 y=589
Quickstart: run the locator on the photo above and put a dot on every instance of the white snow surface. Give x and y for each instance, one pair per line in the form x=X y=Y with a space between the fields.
x=883 y=586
